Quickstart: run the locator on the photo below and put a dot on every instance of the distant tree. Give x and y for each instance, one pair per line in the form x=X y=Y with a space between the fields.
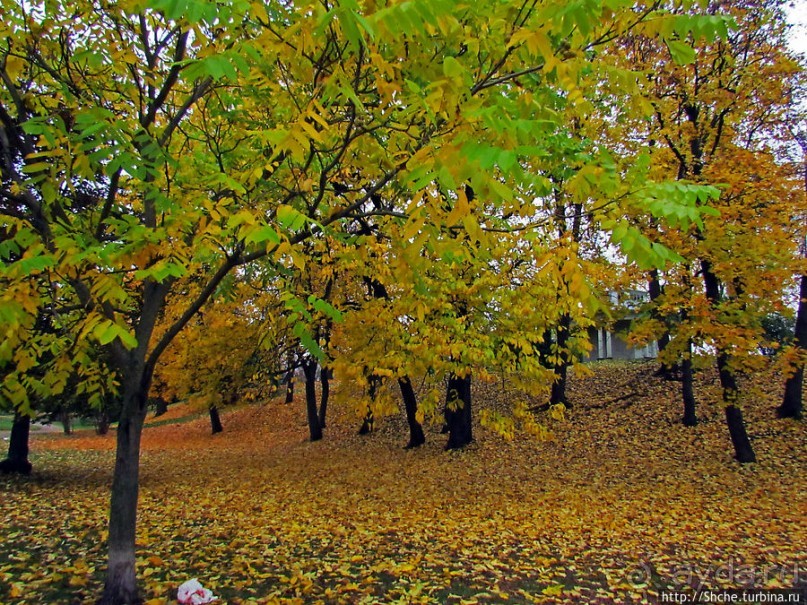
x=714 y=115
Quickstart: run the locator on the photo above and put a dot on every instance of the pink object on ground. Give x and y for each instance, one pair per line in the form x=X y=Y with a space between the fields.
x=192 y=593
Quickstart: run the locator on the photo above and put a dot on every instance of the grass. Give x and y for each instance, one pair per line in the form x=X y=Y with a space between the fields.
x=6 y=422
x=624 y=502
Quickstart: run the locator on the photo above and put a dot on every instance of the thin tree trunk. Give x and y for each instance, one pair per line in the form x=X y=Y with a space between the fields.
x=160 y=406
x=367 y=423
x=458 y=412
x=17 y=459
x=743 y=451
x=215 y=420
x=121 y=582
x=290 y=361
x=687 y=388
x=310 y=370
x=290 y=388
x=373 y=384
x=416 y=436
x=792 y=403
x=325 y=390
x=64 y=418
x=561 y=364
x=102 y=421
x=654 y=288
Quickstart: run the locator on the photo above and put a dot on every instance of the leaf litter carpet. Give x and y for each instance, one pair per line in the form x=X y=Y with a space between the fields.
x=622 y=503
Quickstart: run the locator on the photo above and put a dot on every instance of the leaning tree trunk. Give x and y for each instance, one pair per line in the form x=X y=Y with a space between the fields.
x=743 y=451
x=215 y=420
x=792 y=405
x=314 y=427
x=121 y=582
x=458 y=412
x=325 y=391
x=17 y=460
x=416 y=436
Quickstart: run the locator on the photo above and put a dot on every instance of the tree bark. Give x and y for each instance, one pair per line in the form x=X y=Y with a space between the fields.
x=373 y=384
x=64 y=418
x=792 y=403
x=215 y=420
x=687 y=388
x=17 y=459
x=458 y=412
x=160 y=406
x=325 y=391
x=121 y=582
x=743 y=451
x=654 y=288
x=367 y=422
x=290 y=388
x=310 y=371
x=102 y=421
x=416 y=436
x=561 y=364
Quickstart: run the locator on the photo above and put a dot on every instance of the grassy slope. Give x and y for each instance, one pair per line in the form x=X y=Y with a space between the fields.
x=622 y=503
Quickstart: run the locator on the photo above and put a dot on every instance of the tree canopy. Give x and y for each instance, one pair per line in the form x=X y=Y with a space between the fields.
x=447 y=154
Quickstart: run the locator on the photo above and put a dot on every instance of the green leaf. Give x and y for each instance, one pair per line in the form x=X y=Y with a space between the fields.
x=263 y=234
x=290 y=218
x=681 y=52
x=106 y=331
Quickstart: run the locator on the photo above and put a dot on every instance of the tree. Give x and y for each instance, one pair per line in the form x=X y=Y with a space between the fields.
x=792 y=406
x=712 y=115
x=150 y=146
x=17 y=459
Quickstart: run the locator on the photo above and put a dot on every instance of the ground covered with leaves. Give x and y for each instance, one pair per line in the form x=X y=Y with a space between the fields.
x=622 y=503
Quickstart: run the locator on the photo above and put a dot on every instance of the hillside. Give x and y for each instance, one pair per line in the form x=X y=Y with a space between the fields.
x=621 y=503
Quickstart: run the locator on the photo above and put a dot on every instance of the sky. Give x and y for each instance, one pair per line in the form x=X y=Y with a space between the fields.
x=797 y=15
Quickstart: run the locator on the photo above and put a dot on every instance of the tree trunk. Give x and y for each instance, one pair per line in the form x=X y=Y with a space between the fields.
x=373 y=384
x=310 y=370
x=290 y=388
x=655 y=291
x=687 y=388
x=325 y=391
x=102 y=421
x=215 y=420
x=458 y=412
x=561 y=363
x=17 y=460
x=792 y=403
x=743 y=450
x=367 y=422
x=64 y=418
x=121 y=582
x=416 y=436
x=160 y=406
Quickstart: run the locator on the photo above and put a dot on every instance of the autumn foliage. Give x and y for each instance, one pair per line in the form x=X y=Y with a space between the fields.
x=604 y=511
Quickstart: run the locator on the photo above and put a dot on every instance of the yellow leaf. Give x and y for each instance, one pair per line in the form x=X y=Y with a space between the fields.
x=554 y=590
